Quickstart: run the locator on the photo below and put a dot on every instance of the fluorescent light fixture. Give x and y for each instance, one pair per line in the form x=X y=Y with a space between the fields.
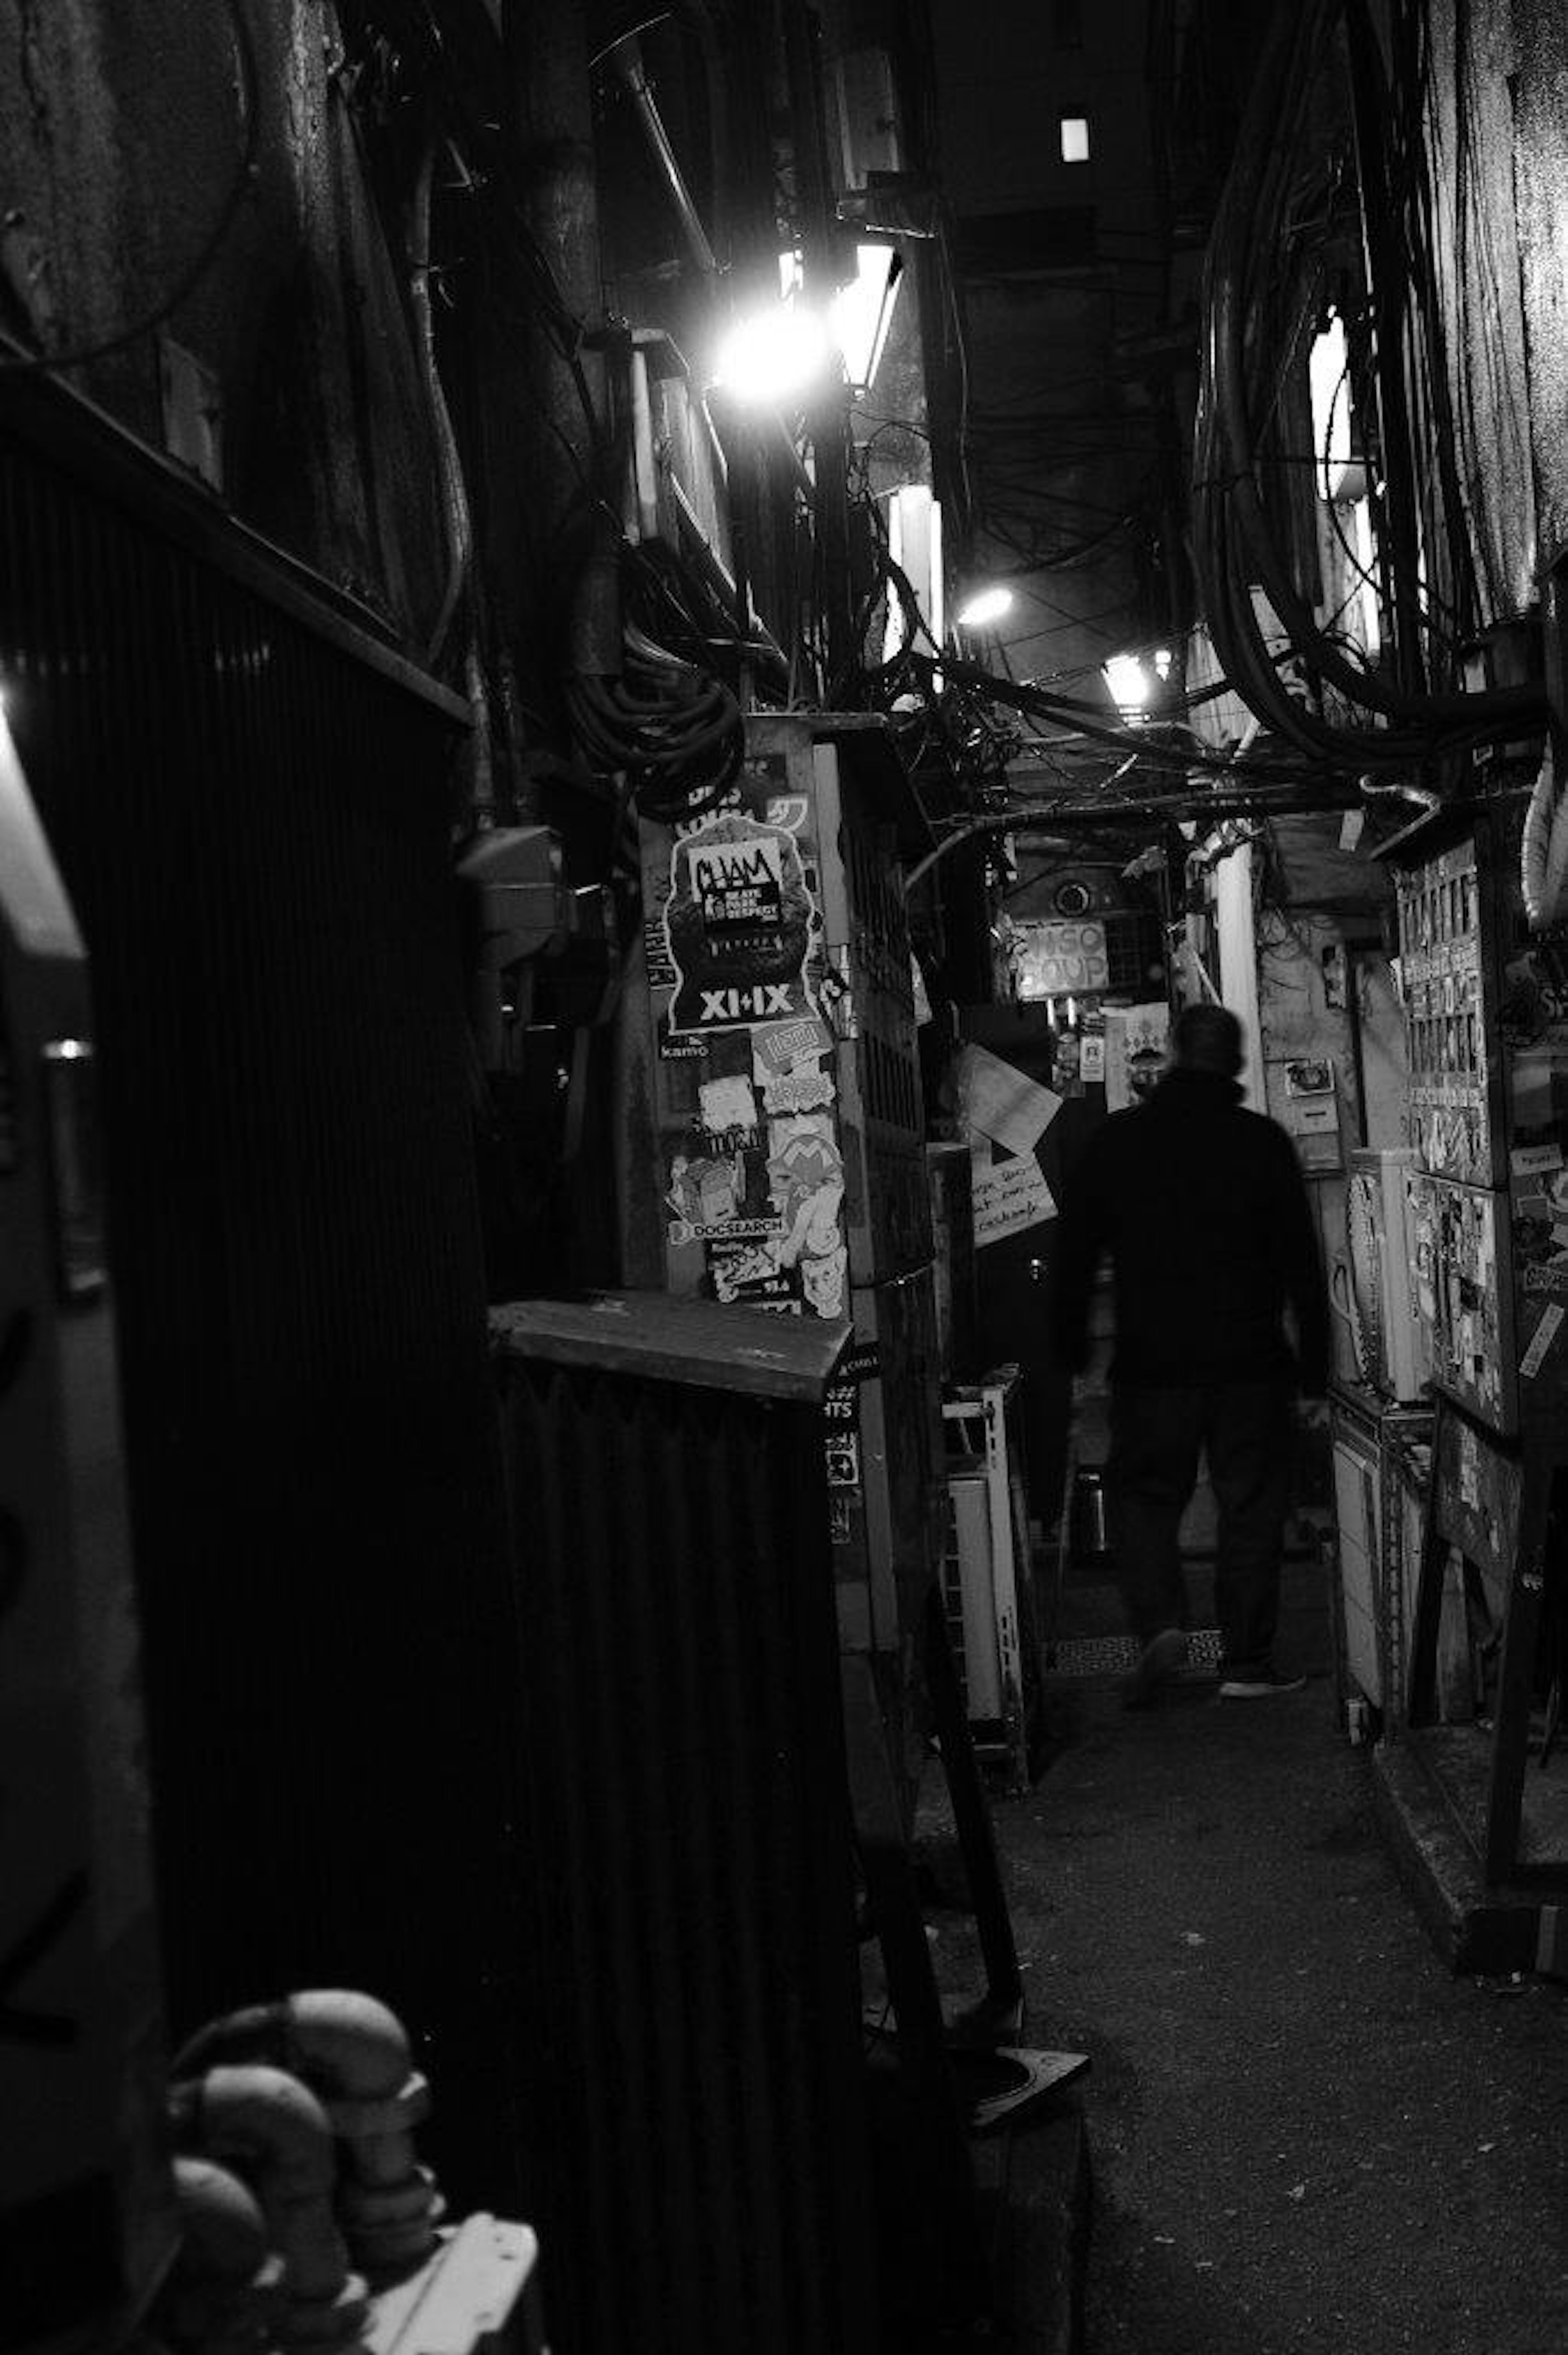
x=1074 y=138
x=1129 y=683
x=915 y=543
x=984 y=607
x=861 y=314
x=774 y=356
x=1340 y=475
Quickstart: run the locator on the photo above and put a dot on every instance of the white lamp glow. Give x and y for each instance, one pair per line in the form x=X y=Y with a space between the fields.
x=774 y=356
x=1128 y=681
x=861 y=314
x=986 y=606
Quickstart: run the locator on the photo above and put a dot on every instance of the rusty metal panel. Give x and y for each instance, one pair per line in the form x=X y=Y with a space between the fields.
x=695 y=2118
x=251 y=816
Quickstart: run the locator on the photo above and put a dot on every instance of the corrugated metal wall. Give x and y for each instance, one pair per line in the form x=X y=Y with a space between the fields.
x=696 y=2118
x=253 y=820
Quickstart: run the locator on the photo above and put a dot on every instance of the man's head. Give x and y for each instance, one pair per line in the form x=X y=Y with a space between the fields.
x=1207 y=1039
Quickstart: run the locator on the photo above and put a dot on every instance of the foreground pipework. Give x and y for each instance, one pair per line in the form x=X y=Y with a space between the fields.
x=352 y=2053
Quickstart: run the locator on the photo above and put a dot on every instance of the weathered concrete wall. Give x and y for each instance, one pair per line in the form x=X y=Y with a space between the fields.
x=1541 y=197
x=121 y=130
x=1498 y=119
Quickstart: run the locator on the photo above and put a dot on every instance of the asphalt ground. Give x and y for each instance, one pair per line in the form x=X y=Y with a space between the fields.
x=1304 y=2132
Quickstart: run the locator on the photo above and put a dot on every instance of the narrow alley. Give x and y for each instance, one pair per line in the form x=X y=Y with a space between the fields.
x=1303 y=2130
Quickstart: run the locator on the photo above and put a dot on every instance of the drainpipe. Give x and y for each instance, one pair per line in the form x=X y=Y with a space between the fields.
x=277 y=2133
x=352 y=2053
x=628 y=56
x=457 y=516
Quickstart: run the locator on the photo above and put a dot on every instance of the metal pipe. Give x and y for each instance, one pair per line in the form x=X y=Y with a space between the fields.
x=628 y=56
x=221 y=2294
x=352 y=2053
x=274 y=2129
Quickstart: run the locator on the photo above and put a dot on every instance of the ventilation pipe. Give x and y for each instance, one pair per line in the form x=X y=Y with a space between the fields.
x=223 y=2293
x=352 y=2053
x=276 y=2133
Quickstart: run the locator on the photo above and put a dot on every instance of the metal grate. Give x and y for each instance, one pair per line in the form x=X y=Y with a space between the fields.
x=249 y=801
x=694 y=2115
x=1114 y=1656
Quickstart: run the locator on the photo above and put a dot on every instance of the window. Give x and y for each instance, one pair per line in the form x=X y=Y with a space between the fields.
x=1074 y=138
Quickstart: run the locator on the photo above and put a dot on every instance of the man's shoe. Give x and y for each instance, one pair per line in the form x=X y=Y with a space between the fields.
x=1160 y=1658
x=1258 y=1684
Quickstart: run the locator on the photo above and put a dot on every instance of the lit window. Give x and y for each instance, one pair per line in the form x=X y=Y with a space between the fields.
x=1074 y=138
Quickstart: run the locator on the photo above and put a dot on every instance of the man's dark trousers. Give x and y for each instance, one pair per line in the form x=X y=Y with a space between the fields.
x=1247 y=1430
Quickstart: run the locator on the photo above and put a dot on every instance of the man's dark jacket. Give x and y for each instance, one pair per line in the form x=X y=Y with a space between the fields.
x=1203 y=1209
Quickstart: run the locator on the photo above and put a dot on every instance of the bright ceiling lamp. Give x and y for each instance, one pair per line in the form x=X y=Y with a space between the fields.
x=861 y=314
x=774 y=356
x=1129 y=684
x=982 y=609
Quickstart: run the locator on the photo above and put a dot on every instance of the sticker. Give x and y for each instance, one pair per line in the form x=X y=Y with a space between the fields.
x=1531 y=1160
x=739 y=926
x=786 y=1063
x=1545 y=1333
x=1009 y=1198
x=1092 y=1060
x=840 y=1526
x=674 y=1049
x=838 y=1000
x=784 y=1047
x=822 y=1281
x=800 y=1092
x=716 y=1195
x=843 y=1459
x=747 y=1274
x=861 y=1364
x=727 y=1107
x=806 y=1187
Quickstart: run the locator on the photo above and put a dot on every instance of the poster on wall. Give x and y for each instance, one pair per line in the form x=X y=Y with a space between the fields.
x=740 y=922
x=1137 y=1043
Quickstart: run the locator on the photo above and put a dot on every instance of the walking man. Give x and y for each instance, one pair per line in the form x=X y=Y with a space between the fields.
x=1203 y=1208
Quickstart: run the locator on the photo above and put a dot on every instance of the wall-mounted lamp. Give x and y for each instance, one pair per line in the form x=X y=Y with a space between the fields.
x=774 y=356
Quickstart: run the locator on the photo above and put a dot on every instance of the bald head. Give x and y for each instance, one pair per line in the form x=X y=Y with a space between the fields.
x=1207 y=1039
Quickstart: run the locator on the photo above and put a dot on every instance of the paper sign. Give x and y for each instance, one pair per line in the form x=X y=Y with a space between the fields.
x=1010 y=1197
x=1529 y=1160
x=1541 y=1339
x=1137 y=1038
x=998 y=1102
x=1092 y=1060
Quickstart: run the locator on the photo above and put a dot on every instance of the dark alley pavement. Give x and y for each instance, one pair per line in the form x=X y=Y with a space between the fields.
x=1304 y=2132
